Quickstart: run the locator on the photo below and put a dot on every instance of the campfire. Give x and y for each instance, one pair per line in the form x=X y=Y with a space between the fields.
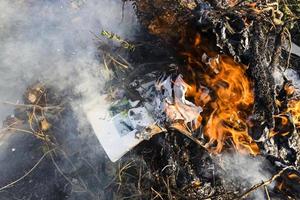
x=221 y=92
x=201 y=104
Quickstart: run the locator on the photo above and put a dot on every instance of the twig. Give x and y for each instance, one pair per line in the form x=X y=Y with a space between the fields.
x=264 y=183
x=8 y=127
x=27 y=173
x=168 y=187
x=21 y=130
x=116 y=61
x=267 y=192
x=125 y=61
x=290 y=49
x=128 y=165
x=96 y=36
x=139 y=181
x=104 y=62
x=32 y=106
x=157 y=194
x=81 y=184
x=60 y=171
x=36 y=134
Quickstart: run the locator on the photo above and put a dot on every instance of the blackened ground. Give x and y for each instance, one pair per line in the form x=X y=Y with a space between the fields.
x=76 y=169
x=17 y=158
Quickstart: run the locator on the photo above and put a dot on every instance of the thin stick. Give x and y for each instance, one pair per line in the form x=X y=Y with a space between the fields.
x=290 y=49
x=128 y=165
x=36 y=134
x=168 y=187
x=125 y=61
x=21 y=130
x=82 y=185
x=8 y=127
x=96 y=36
x=105 y=64
x=139 y=181
x=267 y=192
x=157 y=194
x=119 y=63
x=27 y=173
x=264 y=183
x=31 y=105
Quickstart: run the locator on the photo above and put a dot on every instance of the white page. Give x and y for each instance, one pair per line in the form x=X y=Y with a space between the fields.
x=115 y=138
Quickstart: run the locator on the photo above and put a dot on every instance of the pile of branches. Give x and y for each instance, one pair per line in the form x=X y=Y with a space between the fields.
x=170 y=165
x=255 y=33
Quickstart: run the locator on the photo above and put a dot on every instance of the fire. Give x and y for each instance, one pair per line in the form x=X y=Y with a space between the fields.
x=233 y=95
x=294 y=177
x=294 y=109
x=231 y=101
x=288 y=181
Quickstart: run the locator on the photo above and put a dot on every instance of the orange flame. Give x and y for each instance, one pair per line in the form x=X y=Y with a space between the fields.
x=294 y=176
x=231 y=103
x=287 y=180
x=294 y=109
x=233 y=94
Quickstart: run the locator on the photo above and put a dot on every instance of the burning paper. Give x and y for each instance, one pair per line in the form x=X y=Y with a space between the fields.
x=122 y=124
x=165 y=99
x=177 y=107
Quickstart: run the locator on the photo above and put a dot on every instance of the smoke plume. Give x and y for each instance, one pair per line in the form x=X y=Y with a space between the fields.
x=52 y=41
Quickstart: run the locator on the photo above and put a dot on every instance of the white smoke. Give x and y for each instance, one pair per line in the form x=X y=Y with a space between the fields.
x=52 y=41
x=245 y=171
x=293 y=76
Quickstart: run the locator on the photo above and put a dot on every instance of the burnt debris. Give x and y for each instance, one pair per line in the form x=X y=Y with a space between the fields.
x=196 y=89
